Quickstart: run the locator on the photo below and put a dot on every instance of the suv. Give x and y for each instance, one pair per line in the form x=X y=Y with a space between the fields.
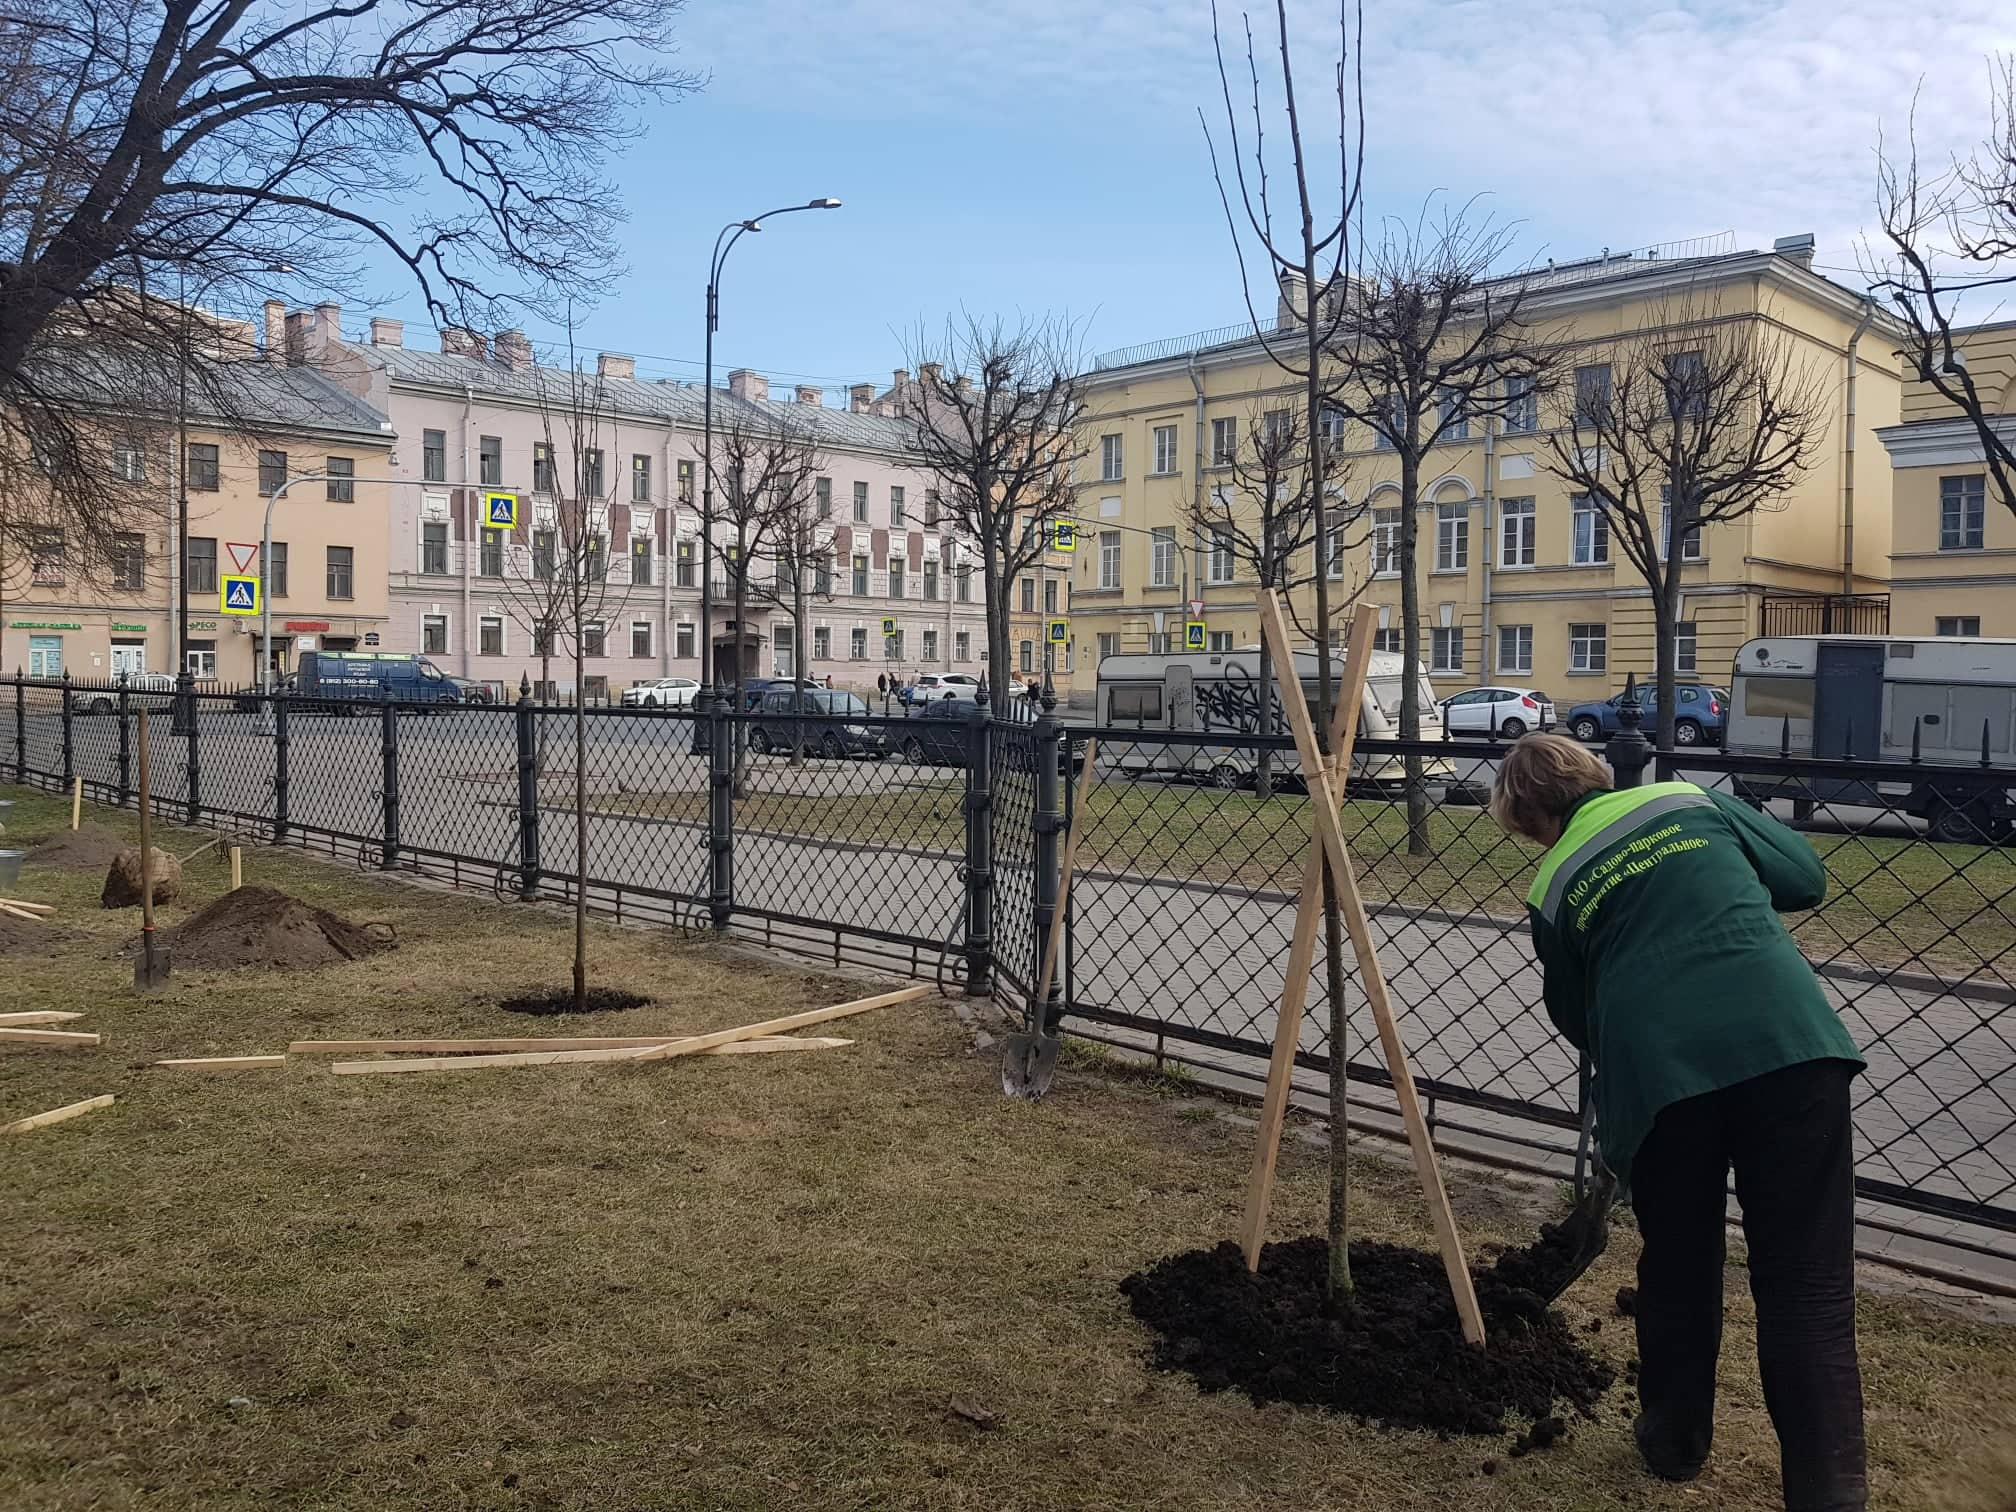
x=661 y=693
x=932 y=687
x=821 y=728
x=1699 y=715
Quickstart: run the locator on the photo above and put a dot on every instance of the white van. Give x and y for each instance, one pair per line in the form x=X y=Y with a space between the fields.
x=1205 y=691
x=1943 y=700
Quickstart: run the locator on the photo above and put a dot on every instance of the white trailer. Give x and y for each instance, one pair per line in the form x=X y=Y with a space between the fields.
x=1212 y=691
x=1945 y=703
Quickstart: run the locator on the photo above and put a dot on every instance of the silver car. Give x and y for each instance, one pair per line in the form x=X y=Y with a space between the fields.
x=661 y=693
x=1498 y=710
x=144 y=690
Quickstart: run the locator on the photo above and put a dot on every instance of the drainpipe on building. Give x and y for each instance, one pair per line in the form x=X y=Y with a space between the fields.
x=1848 y=454
x=1197 y=493
x=1490 y=546
x=472 y=532
x=671 y=563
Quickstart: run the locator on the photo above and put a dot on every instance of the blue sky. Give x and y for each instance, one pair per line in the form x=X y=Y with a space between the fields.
x=1046 y=156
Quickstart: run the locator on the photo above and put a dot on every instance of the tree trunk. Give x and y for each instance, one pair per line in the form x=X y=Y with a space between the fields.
x=741 y=609
x=997 y=626
x=1410 y=643
x=580 y=835
x=1263 y=767
x=1666 y=621
x=798 y=674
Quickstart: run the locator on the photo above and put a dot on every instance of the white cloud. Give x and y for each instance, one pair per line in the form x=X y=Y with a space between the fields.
x=1609 y=120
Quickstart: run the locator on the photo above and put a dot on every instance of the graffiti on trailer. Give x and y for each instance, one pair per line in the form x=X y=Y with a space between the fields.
x=1233 y=703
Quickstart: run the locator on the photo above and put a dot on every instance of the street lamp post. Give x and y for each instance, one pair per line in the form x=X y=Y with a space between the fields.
x=723 y=244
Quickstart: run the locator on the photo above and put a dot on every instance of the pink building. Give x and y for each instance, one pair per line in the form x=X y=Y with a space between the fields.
x=898 y=595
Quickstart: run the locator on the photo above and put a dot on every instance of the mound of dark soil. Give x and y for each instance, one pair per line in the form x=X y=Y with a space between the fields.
x=1540 y=1268
x=90 y=847
x=1397 y=1359
x=19 y=937
x=264 y=927
x=552 y=1000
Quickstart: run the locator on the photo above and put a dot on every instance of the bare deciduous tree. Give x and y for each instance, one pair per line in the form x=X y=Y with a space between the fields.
x=1697 y=418
x=1430 y=343
x=1948 y=238
x=994 y=418
x=1310 y=269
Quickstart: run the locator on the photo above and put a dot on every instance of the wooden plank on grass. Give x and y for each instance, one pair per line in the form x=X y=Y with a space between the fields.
x=26 y=907
x=57 y=1115
x=1372 y=976
x=39 y=1016
x=226 y=1063
x=567 y=1057
x=21 y=913
x=65 y=1039
x=702 y=1043
x=477 y=1046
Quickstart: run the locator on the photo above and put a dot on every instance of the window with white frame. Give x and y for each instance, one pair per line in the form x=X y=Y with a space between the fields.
x=1590 y=528
x=434 y=634
x=896 y=577
x=930 y=646
x=1224 y=441
x=1335 y=566
x=897 y=511
x=892 y=646
x=1452 y=415
x=1277 y=422
x=962 y=645
x=1518 y=533
x=1049 y=595
x=1028 y=594
x=1219 y=565
x=858 y=575
x=683 y=642
x=1684 y=647
x=1522 y=405
x=1026 y=656
x=1331 y=428
x=1109 y=644
x=1690 y=546
x=857 y=644
x=129 y=461
x=930 y=578
x=1165 y=448
x=434 y=547
x=1515 y=649
x=490 y=635
x=1109 y=559
x=822 y=643
x=1221 y=640
x=1445 y=644
x=1386 y=640
x=1159 y=642
x=1162 y=557
x=1110 y=458
x=860 y=503
x=1588 y=648
x=1385 y=540
x=640 y=638
x=594 y=639
x=1959 y=624
x=1452 y=537
x=1592 y=392
x=1962 y=512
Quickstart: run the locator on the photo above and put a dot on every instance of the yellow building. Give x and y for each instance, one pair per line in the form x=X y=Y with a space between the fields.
x=328 y=583
x=1512 y=587
x=1953 y=560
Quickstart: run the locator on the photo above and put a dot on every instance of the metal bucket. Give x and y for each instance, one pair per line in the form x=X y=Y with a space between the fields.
x=10 y=867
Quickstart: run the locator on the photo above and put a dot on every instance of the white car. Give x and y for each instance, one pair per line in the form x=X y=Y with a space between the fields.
x=661 y=693
x=933 y=686
x=1505 y=712
x=144 y=690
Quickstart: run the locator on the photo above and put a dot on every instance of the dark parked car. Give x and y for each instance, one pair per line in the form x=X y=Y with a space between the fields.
x=936 y=733
x=829 y=730
x=753 y=689
x=1699 y=715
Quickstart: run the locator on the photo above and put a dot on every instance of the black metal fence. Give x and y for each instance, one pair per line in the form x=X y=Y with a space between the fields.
x=927 y=844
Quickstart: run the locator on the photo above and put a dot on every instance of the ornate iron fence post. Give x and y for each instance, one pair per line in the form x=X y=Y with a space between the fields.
x=282 y=769
x=528 y=791
x=186 y=699
x=388 y=753
x=720 y=812
x=20 y=730
x=1629 y=751
x=1047 y=756
x=69 y=734
x=980 y=847
x=125 y=742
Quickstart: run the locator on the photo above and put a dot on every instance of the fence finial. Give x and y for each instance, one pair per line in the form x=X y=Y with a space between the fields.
x=1917 y=730
x=1984 y=742
x=1785 y=736
x=524 y=687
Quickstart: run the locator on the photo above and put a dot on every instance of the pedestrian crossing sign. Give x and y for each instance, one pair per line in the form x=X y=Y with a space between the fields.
x=1064 y=534
x=238 y=595
x=500 y=510
x=1059 y=632
x=1193 y=635
x=888 y=626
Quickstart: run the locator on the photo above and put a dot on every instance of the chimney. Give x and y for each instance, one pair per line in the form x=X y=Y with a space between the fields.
x=860 y=398
x=931 y=373
x=615 y=365
x=1293 y=302
x=1798 y=248
x=962 y=384
x=900 y=382
x=744 y=384
x=387 y=332
x=276 y=331
x=460 y=341
x=513 y=350
x=296 y=337
x=812 y=394
x=328 y=325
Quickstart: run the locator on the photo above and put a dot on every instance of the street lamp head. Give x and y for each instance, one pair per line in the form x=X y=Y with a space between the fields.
x=750 y=225
x=824 y=204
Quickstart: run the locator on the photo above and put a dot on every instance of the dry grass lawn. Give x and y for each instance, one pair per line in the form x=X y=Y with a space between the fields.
x=757 y=1282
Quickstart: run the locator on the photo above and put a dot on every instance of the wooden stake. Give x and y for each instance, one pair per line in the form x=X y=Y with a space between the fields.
x=237 y=868
x=783 y=1025
x=1302 y=949
x=26 y=907
x=1352 y=903
x=55 y=1038
x=227 y=1063
x=1055 y=942
x=568 y=1057
x=57 y=1115
x=478 y=1046
x=39 y=1016
x=20 y=913
x=76 y=801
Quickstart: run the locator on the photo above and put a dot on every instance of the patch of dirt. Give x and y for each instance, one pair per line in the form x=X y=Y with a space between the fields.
x=19 y=937
x=551 y=1000
x=1398 y=1359
x=264 y=927
x=1541 y=1267
x=90 y=847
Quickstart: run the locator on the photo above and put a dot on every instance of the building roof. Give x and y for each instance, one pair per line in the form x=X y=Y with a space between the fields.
x=638 y=398
x=248 y=392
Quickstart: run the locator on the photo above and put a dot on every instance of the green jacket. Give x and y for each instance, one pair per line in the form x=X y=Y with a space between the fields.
x=1655 y=918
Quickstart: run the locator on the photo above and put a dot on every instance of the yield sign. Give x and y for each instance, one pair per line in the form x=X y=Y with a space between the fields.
x=242 y=555
x=1196 y=609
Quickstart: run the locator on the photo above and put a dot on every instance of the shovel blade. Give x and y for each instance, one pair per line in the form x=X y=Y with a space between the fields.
x=1029 y=1065
x=151 y=966
x=1588 y=1230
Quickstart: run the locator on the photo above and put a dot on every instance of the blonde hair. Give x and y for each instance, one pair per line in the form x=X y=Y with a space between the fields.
x=1540 y=780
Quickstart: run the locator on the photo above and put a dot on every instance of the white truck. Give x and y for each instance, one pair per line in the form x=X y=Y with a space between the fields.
x=1219 y=691
x=1938 y=704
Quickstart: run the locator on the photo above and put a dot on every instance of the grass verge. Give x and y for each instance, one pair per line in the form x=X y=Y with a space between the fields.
x=743 y=1283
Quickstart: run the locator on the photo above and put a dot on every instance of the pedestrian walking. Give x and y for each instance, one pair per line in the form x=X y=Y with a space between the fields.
x=1655 y=919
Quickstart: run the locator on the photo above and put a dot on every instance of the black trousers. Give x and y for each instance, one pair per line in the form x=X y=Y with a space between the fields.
x=1789 y=1138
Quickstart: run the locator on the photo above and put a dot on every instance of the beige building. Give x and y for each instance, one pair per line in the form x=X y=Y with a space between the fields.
x=1517 y=583
x=327 y=584
x=1953 y=559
